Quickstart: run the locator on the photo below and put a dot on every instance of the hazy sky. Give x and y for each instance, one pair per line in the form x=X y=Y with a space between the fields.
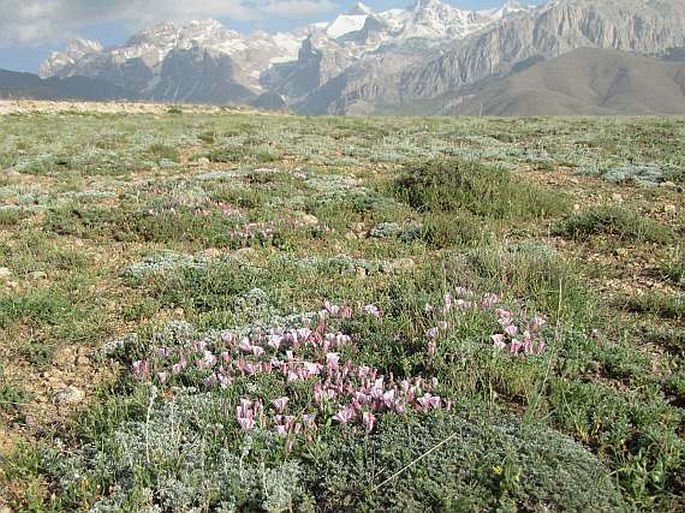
x=30 y=29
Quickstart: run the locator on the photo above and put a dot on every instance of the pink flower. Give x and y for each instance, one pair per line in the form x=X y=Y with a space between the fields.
x=511 y=330
x=141 y=369
x=199 y=346
x=308 y=420
x=389 y=398
x=245 y=345
x=245 y=414
x=429 y=401
x=505 y=317
x=224 y=380
x=257 y=350
x=207 y=362
x=332 y=361
x=345 y=415
x=489 y=300
x=537 y=323
x=499 y=341
x=252 y=368
x=462 y=292
x=432 y=333
x=448 y=302
x=179 y=367
x=275 y=341
x=515 y=346
x=246 y=424
x=163 y=352
x=303 y=334
x=280 y=403
x=311 y=369
x=372 y=310
x=369 y=421
x=228 y=337
x=331 y=308
x=163 y=377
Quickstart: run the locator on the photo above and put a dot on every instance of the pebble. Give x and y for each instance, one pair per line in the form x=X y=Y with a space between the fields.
x=38 y=275
x=401 y=264
x=211 y=253
x=246 y=252
x=5 y=272
x=69 y=395
x=82 y=361
x=203 y=161
x=309 y=220
x=670 y=209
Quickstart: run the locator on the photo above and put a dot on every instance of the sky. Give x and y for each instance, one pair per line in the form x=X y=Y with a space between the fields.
x=30 y=29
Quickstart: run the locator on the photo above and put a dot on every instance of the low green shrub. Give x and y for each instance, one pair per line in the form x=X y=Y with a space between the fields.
x=482 y=190
x=445 y=462
x=618 y=222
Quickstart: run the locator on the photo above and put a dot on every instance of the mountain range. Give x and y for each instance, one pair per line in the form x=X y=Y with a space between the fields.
x=574 y=56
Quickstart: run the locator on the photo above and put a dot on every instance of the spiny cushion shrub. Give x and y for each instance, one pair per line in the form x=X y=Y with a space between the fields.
x=636 y=431
x=176 y=457
x=485 y=191
x=615 y=221
x=445 y=462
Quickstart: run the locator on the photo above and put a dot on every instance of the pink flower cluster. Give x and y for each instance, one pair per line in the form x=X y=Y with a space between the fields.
x=339 y=389
x=519 y=336
x=523 y=339
x=252 y=231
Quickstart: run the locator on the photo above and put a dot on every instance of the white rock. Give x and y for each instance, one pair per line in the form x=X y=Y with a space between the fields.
x=69 y=395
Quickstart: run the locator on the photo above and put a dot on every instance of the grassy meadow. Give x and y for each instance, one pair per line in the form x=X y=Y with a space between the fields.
x=230 y=311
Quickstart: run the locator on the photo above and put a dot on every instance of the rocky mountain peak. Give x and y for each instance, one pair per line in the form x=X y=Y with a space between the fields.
x=79 y=46
x=362 y=58
x=360 y=9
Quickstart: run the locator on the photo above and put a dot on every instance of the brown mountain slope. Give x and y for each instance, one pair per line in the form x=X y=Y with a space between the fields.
x=584 y=81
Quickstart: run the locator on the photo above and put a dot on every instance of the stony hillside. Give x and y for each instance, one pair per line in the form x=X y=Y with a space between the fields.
x=586 y=81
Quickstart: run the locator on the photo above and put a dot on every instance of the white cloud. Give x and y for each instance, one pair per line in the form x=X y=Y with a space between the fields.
x=34 y=22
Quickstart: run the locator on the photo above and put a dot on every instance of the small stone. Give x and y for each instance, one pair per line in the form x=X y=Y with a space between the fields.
x=399 y=265
x=37 y=275
x=5 y=272
x=211 y=253
x=246 y=252
x=203 y=161
x=69 y=395
x=309 y=220
x=668 y=185
x=670 y=209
